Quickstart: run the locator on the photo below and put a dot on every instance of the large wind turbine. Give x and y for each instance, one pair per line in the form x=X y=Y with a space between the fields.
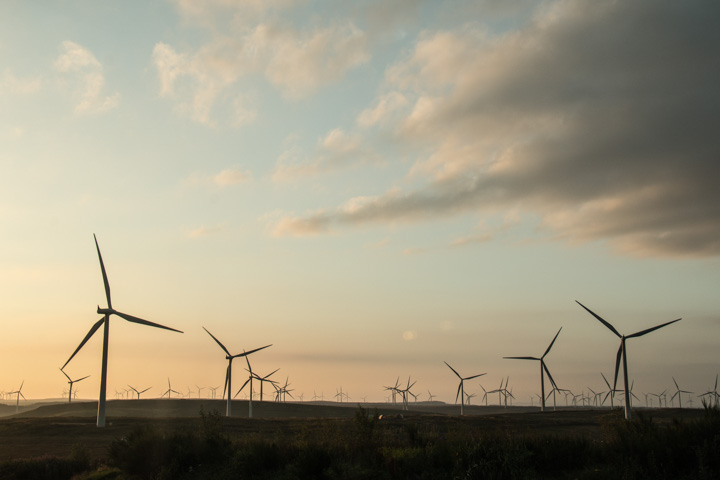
x=105 y=321
x=622 y=353
x=71 y=381
x=228 y=373
x=543 y=370
x=461 y=388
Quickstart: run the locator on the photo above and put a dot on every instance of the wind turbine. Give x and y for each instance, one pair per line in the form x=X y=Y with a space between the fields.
x=678 y=393
x=139 y=392
x=71 y=381
x=622 y=352
x=228 y=373
x=543 y=370
x=105 y=322
x=169 y=391
x=461 y=387
x=713 y=394
x=430 y=396
x=19 y=394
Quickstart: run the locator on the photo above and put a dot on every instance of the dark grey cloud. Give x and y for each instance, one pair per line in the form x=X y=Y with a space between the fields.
x=601 y=117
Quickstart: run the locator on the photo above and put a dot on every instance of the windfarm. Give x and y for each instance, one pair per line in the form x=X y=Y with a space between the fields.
x=293 y=239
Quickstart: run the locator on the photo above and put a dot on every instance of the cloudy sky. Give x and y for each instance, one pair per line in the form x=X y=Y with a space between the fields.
x=373 y=187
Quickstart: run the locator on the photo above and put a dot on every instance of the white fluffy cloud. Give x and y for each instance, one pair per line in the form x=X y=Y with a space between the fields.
x=84 y=72
x=599 y=118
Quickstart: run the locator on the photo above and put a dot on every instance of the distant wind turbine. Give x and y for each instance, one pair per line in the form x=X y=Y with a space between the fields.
x=170 y=391
x=622 y=353
x=71 y=382
x=105 y=321
x=19 y=394
x=139 y=392
x=461 y=387
x=543 y=370
x=678 y=393
x=228 y=372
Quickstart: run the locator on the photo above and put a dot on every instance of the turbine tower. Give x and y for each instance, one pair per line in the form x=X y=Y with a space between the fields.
x=71 y=381
x=228 y=373
x=543 y=370
x=622 y=353
x=461 y=388
x=105 y=321
x=19 y=394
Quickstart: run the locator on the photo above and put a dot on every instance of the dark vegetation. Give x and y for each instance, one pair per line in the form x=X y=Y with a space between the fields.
x=367 y=447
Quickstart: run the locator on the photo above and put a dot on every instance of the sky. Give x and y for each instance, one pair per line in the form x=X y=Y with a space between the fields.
x=372 y=187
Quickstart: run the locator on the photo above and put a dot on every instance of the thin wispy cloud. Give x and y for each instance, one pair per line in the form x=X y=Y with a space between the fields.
x=10 y=84
x=203 y=231
x=600 y=136
x=336 y=150
x=296 y=61
x=84 y=73
x=225 y=178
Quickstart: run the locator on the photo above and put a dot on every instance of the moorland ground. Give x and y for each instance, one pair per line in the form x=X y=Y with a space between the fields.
x=346 y=430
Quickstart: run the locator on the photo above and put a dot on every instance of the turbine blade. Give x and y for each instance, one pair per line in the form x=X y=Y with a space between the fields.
x=83 y=378
x=607 y=324
x=245 y=354
x=130 y=318
x=143 y=391
x=218 y=342
x=63 y=372
x=676 y=385
x=455 y=372
x=266 y=376
x=227 y=376
x=94 y=328
x=617 y=364
x=458 y=392
x=606 y=382
x=474 y=376
x=551 y=343
x=640 y=334
x=548 y=374
x=521 y=358
x=104 y=274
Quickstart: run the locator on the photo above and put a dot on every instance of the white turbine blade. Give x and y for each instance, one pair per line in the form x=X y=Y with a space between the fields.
x=607 y=324
x=217 y=341
x=551 y=343
x=455 y=372
x=227 y=377
x=548 y=374
x=94 y=328
x=245 y=354
x=104 y=274
x=643 y=332
x=617 y=364
x=130 y=318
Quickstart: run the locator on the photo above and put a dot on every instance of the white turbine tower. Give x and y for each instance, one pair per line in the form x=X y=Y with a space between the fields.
x=105 y=321
x=543 y=370
x=228 y=373
x=461 y=389
x=622 y=353
x=71 y=382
